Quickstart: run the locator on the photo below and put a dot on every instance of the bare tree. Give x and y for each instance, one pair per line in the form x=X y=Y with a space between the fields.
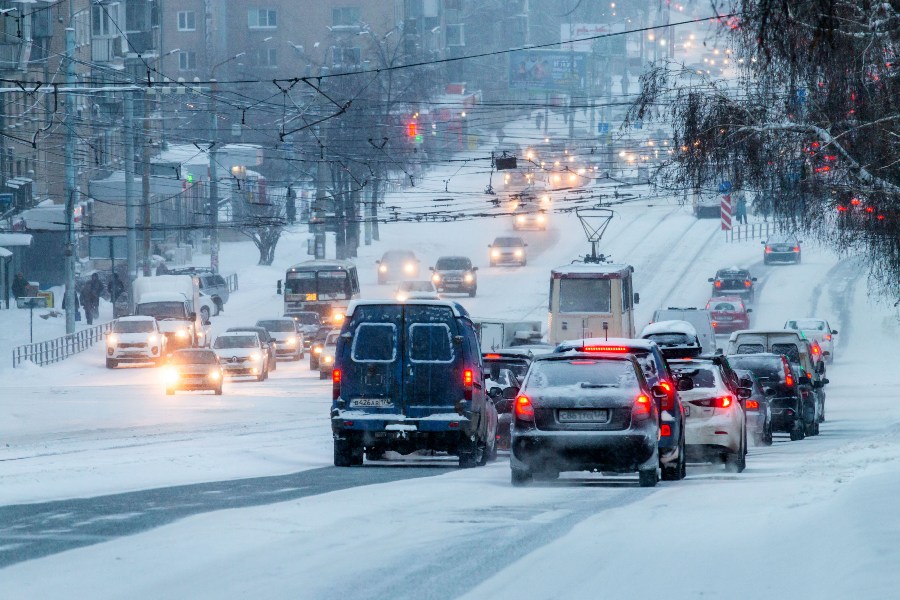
x=811 y=126
x=261 y=217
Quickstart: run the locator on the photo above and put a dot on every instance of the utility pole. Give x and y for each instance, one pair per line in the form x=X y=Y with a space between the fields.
x=70 y=184
x=321 y=199
x=213 y=181
x=145 y=183
x=130 y=208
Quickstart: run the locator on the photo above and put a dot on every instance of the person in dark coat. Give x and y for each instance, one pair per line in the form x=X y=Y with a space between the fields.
x=116 y=287
x=92 y=292
x=20 y=286
x=87 y=300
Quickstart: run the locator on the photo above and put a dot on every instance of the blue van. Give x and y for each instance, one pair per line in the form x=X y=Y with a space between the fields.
x=408 y=376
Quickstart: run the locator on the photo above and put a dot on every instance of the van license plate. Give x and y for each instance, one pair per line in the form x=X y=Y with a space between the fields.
x=583 y=416
x=371 y=403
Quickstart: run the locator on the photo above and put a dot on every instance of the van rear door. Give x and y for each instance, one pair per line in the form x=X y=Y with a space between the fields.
x=372 y=359
x=433 y=360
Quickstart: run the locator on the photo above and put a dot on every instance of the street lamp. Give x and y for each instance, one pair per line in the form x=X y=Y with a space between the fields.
x=213 y=176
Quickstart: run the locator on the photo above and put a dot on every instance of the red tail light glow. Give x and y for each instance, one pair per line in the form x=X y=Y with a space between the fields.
x=827 y=337
x=718 y=284
x=747 y=283
x=796 y=248
x=605 y=349
x=724 y=402
x=665 y=430
x=816 y=349
x=789 y=381
x=642 y=405
x=492 y=356
x=768 y=250
x=524 y=409
x=752 y=405
x=468 y=381
x=667 y=403
x=335 y=384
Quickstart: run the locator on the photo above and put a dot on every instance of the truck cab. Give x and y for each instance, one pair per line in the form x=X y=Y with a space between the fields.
x=173 y=301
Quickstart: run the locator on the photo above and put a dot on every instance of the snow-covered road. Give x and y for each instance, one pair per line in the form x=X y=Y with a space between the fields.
x=109 y=488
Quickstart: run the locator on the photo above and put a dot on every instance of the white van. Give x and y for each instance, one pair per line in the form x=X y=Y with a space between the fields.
x=700 y=319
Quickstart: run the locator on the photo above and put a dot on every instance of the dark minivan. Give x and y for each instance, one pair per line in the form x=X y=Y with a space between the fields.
x=407 y=377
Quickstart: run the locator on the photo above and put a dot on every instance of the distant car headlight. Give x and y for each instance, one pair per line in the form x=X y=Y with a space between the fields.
x=436 y=278
x=338 y=317
x=317 y=350
x=292 y=341
x=182 y=333
x=520 y=219
x=152 y=339
x=401 y=297
x=215 y=375
x=495 y=253
x=519 y=254
x=112 y=340
x=328 y=359
x=541 y=218
x=254 y=356
x=382 y=268
x=468 y=278
x=409 y=268
x=170 y=374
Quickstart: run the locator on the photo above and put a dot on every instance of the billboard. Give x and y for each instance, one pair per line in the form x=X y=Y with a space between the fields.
x=586 y=37
x=547 y=70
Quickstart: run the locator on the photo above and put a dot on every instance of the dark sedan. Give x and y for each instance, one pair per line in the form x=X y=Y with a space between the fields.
x=455 y=274
x=782 y=248
x=583 y=412
x=733 y=282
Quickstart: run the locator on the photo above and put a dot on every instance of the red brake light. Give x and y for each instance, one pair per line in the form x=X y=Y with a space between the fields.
x=524 y=410
x=747 y=283
x=665 y=430
x=768 y=250
x=752 y=405
x=718 y=284
x=605 y=349
x=724 y=402
x=828 y=337
x=468 y=377
x=796 y=248
x=816 y=349
x=642 y=405
x=335 y=384
x=492 y=356
x=714 y=324
x=789 y=381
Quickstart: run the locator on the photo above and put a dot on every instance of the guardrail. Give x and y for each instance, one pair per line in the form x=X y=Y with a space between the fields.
x=61 y=348
x=232 y=281
x=753 y=231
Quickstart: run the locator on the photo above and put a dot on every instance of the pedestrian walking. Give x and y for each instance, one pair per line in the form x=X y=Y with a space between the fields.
x=92 y=292
x=20 y=285
x=740 y=210
x=87 y=300
x=116 y=287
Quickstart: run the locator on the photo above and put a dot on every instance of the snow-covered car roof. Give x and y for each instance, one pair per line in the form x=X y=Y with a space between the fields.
x=162 y=297
x=137 y=318
x=458 y=310
x=669 y=327
x=575 y=269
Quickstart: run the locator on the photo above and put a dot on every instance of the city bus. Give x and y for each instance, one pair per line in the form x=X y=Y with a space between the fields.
x=322 y=286
x=591 y=300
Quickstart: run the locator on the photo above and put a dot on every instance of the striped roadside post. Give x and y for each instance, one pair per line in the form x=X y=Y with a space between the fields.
x=726 y=212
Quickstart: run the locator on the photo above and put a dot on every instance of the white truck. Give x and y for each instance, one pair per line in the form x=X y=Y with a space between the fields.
x=501 y=333
x=176 y=303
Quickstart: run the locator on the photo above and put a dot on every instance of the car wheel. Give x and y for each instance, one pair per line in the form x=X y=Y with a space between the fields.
x=648 y=477
x=519 y=477
x=313 y=364
x=488 y=452
x=111 y=363
x=217 y=302
x=342 y=453
x=798 y=433
x=219 y=391
x=767 y=437
x=170 y=391
x=374 y=453
x=678 y=470
x=472 y=293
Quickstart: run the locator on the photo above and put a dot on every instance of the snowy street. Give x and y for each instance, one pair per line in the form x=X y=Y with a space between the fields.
x=110 y=488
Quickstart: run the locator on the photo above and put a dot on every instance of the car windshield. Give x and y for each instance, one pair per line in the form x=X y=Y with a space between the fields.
x=807 y=324
x=494 y=369
x=733 y=274
x=669 y=339
x=277 y=325
x=162 y=310
x=453 y=264
x=332 y=339
x=235 y=341
x=509 y=242
x=702 y=378
x=397 y=256
x=134 y=326
x=789 y=350
x=584 y=372
x=766 y=368
x=193 y=358
x=724 y=307
x=781 y=239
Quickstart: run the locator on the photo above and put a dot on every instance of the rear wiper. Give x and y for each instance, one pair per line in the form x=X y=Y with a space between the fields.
x=594 y=386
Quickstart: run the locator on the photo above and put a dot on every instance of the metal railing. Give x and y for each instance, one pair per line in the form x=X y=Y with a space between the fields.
x=61 y=348
x=753 y=231
x=232 y=281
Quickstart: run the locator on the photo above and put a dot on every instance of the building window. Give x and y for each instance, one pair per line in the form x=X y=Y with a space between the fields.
x=266 y=57
x=346 y=56
x=262 y=18
x=101 y=22
x=345 y=16
x=187 y=61
x=137 y=16
x=187 y=20
x=452 y=4
x=456 y=34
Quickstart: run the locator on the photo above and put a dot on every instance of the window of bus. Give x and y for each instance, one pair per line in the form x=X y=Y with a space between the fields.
x=584 y=296
x=334 y=285
x=301 y=283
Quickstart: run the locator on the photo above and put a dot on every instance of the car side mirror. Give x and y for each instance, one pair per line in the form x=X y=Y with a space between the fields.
x=510 y=393
x=711 y=279
x=377 y=262
x=763 y=243
x=637 y=298
x=495 y=392
x=431 y=268
x=347 y=335
x=804 y=380
x=476 y=268
x=685 y=384
x=749 y=310
x=834 y=332
x=278 y=287
x=825 y=381
x=192 y=316
x=826 y=353
x=746 y=382
x=206 y=322
x=769 y=391
x=659 y=392
x=753 y=279
x=744 y=393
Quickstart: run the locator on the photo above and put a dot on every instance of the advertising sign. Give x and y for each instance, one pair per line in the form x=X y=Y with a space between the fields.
x=547 y=70
x=590 y=37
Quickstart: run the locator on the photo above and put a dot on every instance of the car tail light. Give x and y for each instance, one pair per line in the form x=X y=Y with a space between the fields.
x=768 y=250
x=667 y=403
x=788 y=378
x=468 y=381
x=796 y=248
x=715 y=324
x=524 y=409
x=752 y=405
x=827 y=337
x=605 y=349
x=747 y=283
x=816 y=349
x=720 y=402
x=718 y=284
x=665 y=430
x=335 y=384
x=492 y=356
x=642 y=405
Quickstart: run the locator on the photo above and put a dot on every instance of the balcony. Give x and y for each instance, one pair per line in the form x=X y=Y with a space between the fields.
x=106 y=49
x=14 y=57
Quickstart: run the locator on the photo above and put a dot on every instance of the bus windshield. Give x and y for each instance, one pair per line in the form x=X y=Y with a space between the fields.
x=321 y=285
x=584 y=296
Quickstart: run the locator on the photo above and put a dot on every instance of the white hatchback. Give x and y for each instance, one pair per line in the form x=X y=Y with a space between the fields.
x=715 y=423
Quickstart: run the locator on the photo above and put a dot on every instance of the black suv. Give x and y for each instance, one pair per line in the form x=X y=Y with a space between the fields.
x=455 y=274
x=781 y=385
x=733 y=282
